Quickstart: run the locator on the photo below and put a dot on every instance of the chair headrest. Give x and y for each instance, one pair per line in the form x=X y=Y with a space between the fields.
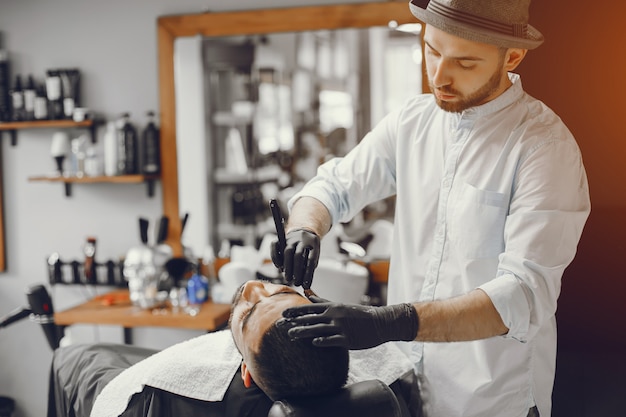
x=364 y=399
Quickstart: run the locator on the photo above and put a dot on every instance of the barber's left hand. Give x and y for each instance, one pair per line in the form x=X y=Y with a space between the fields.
x=351 y=325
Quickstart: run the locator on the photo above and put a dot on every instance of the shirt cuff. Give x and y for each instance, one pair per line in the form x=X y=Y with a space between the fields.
x=509 y=299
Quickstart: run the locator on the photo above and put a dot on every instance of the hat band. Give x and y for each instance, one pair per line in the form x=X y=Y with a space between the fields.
x=519 y=30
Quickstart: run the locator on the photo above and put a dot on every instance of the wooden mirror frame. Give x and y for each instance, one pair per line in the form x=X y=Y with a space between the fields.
x=249 y=22
x=3 y=265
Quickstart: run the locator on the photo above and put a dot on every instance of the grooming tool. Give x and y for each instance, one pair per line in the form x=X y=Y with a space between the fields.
x=306 y=286
x=183 y=223
x=279 y=222
x=162 y=230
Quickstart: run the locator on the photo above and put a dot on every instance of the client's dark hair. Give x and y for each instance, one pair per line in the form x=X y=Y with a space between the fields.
x=295 y=368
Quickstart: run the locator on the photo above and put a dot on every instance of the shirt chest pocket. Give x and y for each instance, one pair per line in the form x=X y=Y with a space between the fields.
x=476 y=222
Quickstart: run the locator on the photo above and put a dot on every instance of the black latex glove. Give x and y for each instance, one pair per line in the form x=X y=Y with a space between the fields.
x=350 y=325
x=298 y=259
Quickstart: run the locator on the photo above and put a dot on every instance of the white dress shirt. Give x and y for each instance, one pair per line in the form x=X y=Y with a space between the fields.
x=494 y=198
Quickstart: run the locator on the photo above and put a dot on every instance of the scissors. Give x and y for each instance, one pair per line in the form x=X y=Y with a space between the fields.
x=279 y=222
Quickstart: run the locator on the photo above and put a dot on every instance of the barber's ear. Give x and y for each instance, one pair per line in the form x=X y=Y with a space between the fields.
x=514 y=57
x=245 y=375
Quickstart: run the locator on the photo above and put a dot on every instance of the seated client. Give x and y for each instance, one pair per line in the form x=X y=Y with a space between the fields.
x=257 y=347
x=270 y=358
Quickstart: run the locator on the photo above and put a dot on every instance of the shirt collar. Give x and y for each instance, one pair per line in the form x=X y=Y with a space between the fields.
x=511 y=95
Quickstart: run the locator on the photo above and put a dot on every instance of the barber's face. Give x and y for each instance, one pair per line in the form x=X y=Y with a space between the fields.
x=256 y=306
x=462 y=73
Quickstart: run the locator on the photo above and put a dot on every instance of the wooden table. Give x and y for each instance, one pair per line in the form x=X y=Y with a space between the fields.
x=115 y=308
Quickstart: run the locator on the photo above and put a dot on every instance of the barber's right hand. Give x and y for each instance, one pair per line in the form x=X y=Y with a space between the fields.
x=298 y=259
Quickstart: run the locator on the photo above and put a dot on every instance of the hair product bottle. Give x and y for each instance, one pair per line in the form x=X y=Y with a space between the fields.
x=55 y=99
x=110 y=150
x=5 y=102
x=40 y=110
x=151 y=155
x=70 y=83
x=29 y=98
x=127 y=154
x=17 y=99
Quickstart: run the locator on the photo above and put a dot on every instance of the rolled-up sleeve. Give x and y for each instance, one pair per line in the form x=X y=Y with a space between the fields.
x=549 y=207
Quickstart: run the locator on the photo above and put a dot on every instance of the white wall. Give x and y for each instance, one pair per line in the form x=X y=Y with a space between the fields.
x=113 y=43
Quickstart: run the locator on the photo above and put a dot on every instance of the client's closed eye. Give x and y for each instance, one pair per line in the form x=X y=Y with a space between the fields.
x=246 y=313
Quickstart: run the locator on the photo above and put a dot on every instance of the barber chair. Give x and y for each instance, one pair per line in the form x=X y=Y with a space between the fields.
x=363 y=399
x=80 y=372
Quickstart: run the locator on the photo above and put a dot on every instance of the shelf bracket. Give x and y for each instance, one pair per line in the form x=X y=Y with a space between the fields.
x=68 y=189
x=92 y=131
x=150 y=185
x=13 y=134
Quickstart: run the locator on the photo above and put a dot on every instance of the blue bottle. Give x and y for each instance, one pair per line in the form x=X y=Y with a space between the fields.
x=197 y=289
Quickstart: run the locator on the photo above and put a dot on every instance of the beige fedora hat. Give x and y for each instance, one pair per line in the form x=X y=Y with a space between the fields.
x=497 y=22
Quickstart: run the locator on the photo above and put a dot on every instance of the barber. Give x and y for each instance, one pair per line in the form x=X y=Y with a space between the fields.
x=491 y=200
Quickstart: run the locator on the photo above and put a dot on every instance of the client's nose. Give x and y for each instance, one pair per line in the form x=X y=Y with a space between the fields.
x=253 y=290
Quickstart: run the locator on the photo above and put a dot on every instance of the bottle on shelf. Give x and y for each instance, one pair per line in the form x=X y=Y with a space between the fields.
x=5 y=99
x=110 y=150
x=197 y=288
x=40 y=111
x=90 y=260
x=151 y=155
x=70 y=85
x=17 y=100
x=127 y=155
x=78 y=156
x=29 y=98
x=55 y=99
x=93 y=167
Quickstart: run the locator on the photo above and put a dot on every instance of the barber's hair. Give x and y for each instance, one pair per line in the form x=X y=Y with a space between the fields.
x=288 y=368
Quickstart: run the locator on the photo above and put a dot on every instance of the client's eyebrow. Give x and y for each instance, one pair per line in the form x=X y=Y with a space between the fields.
x=253 y=308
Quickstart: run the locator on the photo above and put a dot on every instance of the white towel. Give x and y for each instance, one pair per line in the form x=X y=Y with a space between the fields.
x=385 y=362
x=200 y=368
x=203 y=367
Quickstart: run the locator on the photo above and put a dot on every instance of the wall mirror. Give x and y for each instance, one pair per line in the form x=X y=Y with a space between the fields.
x=247 y=97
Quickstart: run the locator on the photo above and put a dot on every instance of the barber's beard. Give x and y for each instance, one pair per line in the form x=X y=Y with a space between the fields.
x=476 y=98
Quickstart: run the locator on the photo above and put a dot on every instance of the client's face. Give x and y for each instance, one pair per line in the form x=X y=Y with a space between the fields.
x=256 y=306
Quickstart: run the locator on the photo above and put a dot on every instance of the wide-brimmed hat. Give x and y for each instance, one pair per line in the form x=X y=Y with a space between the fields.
x=498 y=22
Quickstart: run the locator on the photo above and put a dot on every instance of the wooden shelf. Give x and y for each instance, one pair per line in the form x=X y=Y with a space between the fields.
x=118 y=179
x=13 y=127
x=44 y=124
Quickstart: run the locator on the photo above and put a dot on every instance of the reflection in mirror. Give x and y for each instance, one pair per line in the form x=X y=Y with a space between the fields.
x=275 y=107
x=253 y=101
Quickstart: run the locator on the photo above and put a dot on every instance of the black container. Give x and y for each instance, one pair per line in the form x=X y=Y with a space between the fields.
x=151 y=147
x=17 y=100
x=30 y=93
x=127 y=147
x=5 y=100
x=7 y=406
